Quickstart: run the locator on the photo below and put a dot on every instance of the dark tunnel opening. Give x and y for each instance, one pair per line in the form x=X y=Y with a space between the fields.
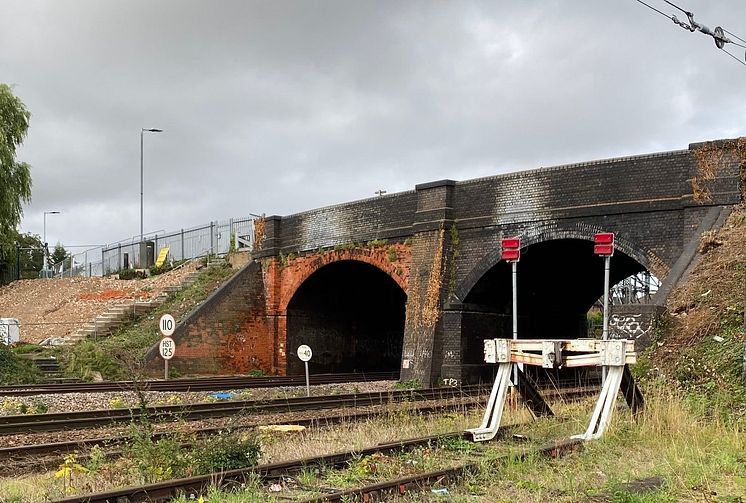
x=351 y=314
x=558 y=282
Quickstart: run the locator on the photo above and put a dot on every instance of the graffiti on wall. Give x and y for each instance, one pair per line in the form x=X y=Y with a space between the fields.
x=630 y=326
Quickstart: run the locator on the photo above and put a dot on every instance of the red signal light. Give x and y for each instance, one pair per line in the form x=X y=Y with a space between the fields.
x=511 y=249
x=511 y=243
x=603 y=244
x=511 y=255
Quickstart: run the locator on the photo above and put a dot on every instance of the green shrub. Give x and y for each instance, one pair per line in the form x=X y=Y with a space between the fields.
x=131 y=274
x=24 y=349
x=156 y=270
x=226 y=451
x=88 y=357
x=17 y=370
x=411 y=384
x=168 y=457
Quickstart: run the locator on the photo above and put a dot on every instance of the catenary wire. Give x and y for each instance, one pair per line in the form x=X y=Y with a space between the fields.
x=656 y=10
x=733 y=56
x=677 y=7
x=734 y=35
x=673 y=18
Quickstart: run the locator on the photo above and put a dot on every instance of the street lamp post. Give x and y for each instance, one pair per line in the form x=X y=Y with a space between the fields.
x=142 y=133
x=46 y=247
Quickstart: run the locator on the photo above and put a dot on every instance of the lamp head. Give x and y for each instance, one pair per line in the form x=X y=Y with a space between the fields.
x=153 y=130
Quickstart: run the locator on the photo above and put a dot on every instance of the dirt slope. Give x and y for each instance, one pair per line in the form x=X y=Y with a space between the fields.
x=57 y=307
x=702 y=345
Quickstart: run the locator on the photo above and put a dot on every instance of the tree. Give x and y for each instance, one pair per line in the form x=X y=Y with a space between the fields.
x=58 y=255
x=26 y=251
x=31 y=254
x=15 y=177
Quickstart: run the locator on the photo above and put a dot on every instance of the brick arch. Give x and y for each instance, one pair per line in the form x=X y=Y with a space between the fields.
x=584 y=232
x=299 y=269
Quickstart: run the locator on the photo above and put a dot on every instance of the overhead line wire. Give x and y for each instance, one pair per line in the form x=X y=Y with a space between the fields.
x=734 y=57
x=656 y=10
x=734 y=35
x=677 y=7
x=720 y=40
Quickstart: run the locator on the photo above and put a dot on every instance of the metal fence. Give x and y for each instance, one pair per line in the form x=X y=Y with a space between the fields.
x=211 y=239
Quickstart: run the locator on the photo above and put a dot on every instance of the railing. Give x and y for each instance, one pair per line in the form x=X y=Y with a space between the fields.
x=214 y=238
x=10 y=274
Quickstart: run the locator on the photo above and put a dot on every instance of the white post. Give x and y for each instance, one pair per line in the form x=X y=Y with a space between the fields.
x=605 y=333
x=308 y=382
x=165 y=369
x=514 y=272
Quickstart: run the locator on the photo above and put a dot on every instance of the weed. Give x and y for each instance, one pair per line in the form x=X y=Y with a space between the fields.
x=14 y=406
x=225 y=451
x=68 y=470
x=131 y=274
x=38 y=407
x=117 y=403
x=346 y=246
x=96 y=459
x=410 y=384
x=391 y=254
x=17 y=370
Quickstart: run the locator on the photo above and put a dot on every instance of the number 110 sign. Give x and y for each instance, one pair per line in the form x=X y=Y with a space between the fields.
x=167 y=346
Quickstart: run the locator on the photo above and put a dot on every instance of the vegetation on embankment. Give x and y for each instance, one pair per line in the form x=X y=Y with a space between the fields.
x=699 y=346
x=120 y=355
x=15 y=369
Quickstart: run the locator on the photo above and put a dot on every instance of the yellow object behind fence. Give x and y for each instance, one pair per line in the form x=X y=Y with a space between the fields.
x=162 y=257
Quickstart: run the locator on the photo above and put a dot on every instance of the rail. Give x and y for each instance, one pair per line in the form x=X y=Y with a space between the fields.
x=193 y=486
x=194 y=384
x=85 y=419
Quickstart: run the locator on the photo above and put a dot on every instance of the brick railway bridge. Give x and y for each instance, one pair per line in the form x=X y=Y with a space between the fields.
x=414 y=280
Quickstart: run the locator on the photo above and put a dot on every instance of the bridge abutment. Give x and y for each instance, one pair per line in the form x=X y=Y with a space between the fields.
x=432 y=263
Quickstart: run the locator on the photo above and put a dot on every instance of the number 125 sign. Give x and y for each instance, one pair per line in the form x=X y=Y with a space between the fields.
x=167 y=348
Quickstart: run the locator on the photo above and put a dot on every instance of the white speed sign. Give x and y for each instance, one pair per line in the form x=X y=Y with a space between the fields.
x=167 y=325
x=167 y=348
x=304 y=353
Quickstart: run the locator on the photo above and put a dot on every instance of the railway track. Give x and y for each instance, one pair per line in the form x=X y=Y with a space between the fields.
x=60 y=448
x=194 y=384
x=192 y=486
x=86 y=419
x=10 y=457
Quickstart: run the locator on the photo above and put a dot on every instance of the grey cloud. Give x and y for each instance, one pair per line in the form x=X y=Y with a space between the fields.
x=282 y=106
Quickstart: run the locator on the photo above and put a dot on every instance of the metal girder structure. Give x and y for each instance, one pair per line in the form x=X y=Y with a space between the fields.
x=613 y=355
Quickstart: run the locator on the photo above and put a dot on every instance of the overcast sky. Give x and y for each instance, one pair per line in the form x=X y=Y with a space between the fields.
x=280 y=106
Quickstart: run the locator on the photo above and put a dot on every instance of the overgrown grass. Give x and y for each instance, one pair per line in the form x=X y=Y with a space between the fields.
x=671 y=452
x=17 y=370
x=116 y=357
x=706 y=372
